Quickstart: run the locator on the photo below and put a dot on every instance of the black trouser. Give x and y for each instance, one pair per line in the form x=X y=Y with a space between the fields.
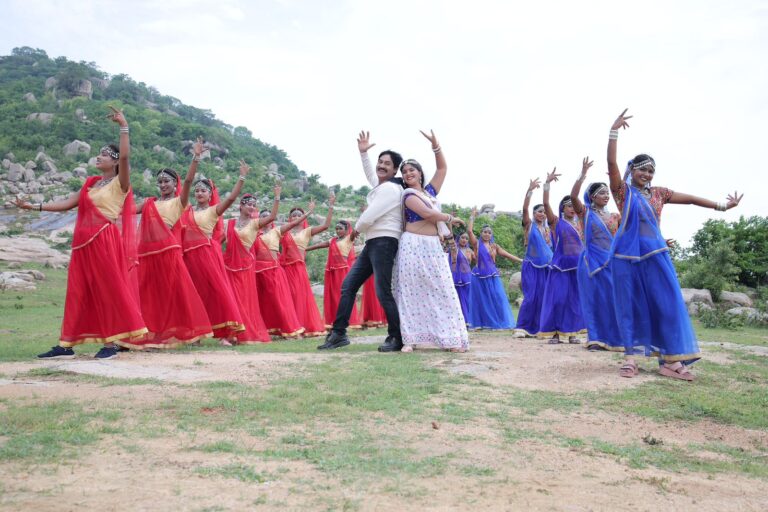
x=377 y=258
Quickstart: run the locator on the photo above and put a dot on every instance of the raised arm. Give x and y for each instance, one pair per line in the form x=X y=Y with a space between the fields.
x=54 y=206
x=551 y=217
x=427 y=213
x=198 y=148
x=732 y=201
x=442 y=167
x=275 y=207
x=614 y=173
x=578 y=206
x=363 y=145
x=533 y=185
x=225 y=204
x=298 y=220
x=125 y=148
x=471 y=228
x=501 y=252
x=321 y=245
x=328 y=218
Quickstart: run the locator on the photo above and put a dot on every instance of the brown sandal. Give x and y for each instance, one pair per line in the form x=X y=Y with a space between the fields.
x=628 y=369
x=676 y=371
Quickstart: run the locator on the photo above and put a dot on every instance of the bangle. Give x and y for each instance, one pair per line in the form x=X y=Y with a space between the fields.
x=437 y=149
x=546 y=187
x=613 y=135
x=196 y=158
x=241 y=178
x=124 y=129
x=721 y=207
x=529 y=193
x=449 y=219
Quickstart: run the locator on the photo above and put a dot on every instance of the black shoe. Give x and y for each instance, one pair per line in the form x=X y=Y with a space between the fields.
x=58 y=353
x=334 y=340
x=391 y=344
x=106 y=353
x=121 y=348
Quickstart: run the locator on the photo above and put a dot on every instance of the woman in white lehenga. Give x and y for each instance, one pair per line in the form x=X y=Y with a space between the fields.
x=430 y=311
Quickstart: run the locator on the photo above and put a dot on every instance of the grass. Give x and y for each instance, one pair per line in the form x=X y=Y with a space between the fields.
x=238 y=471
x=746 y=335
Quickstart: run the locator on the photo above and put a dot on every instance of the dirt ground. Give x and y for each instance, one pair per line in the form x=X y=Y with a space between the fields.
x=160 y=473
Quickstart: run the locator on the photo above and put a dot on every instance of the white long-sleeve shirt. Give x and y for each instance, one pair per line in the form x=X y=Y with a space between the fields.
x=383 y=217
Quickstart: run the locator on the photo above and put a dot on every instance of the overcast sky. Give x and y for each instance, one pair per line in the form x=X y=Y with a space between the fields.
x=510 y=88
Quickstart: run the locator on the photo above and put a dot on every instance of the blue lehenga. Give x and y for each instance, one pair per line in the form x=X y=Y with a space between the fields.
x=560 y=307
x=650 y=311
x=462 y=281
x=490 y=305
x=594 y=275
x=538 y=255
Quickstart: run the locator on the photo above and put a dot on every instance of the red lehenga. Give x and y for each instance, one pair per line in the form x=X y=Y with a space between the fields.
x=239 y=263
x=205 y=263
x=336 y=269
x=276 y=302
x=292 y=261
x=171 y=307
x=373 y=313
x=101 y=304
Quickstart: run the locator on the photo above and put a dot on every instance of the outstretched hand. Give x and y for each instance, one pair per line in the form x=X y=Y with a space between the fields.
x=553 y=176
x=332 y=199
x=621 y=121
x=244 y=168
x=431 y=138
x=276 y=191
x=585 y=165
x=198 y=148
x=24 y=205
x=733 y=200
x=534 y=184
x=311 y=206
x=364 y=142
x=117 y=116
x=457 y=222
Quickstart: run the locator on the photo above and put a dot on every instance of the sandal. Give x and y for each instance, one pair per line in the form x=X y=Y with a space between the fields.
x=676 y=371
x=225 y=343
x=407 y=349
x=573 y=340
x=628 y=369
x=554 y=341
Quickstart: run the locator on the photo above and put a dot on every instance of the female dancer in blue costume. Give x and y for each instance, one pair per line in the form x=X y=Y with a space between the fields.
x=650 y=311
x=538 y=255
x=490 y=306
x=461 y=256
x=560 y=308
x=594 y=270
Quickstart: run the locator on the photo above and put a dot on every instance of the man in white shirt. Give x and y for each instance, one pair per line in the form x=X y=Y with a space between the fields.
x=382 y=224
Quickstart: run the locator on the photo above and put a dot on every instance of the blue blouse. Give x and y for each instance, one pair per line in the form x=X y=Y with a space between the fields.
x=410 y=215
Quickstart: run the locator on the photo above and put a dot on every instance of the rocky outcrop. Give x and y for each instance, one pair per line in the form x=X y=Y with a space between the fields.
x=80 y=172
x=26 y=249
x=51 y=83
x=80 y=115
x=748 y=313
x=694 y=295
x=164 y=152
x=83 y=88
x=42 y=117
x=15 y=172
x=516 y=281
x=736 y=299
x=77 y=147
x=29 y=97
x=696 y=308
x=21 y=280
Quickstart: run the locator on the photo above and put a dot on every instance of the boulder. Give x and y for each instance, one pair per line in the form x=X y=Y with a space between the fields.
x=26 y=249
x=10 y=156
x=92 y=162
x=695 y=295
x=164 y=152
x=749 y=313
x=29 y=175
x=49 y=166
x=515 y=281
x=42 y=117
x=42 y=157
x=30 y=97
x=33 y=187
x=6 y=163
x=487 y=208
x=84 y=88
x=36 y=198
x=51 y=83
x=13 y=189
x=30 y=165
x=17 y=282
x=80 y=115
x=147 y=175
x=99 y=82
x=696 y=308
x=15 y=172
x=77 y=147
x=80 y=172
x=216 y=161
x=272 y=170
x=736 y=298
x=61 y=177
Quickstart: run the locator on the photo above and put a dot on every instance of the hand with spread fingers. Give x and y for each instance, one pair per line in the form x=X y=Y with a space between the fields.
x=244 y=168
x=585 y=165
x=553 y=176
x=198 y=148
x=431 y=138
x=117 y=116
x=733 y=200
x=277 y=189
x=534 y=184
x=364 y=141
x=621 y=121
x=24 y=205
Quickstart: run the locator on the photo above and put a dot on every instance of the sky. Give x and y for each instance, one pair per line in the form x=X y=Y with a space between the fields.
x=511 y=89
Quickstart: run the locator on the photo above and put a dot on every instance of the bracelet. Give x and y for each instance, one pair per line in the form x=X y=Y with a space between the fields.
x=529 y=193
x=124 y=129
x=721 y=207
x=450 y=218
x=437 y=149
x=196 y=158
x=241 y=178
x=613 y=135
x=546 y=187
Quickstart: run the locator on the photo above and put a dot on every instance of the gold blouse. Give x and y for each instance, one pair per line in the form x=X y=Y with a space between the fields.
x=108 y=199
x=302 y=238
x=206 y=219
x=345 y=245
x=170 y=210
x=272 y=239
x=248 y=233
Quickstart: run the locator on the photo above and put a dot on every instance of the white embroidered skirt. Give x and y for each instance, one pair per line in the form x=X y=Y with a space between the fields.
x=429 y=308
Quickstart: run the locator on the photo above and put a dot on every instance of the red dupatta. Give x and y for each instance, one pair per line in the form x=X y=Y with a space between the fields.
x=291 y=253
x=154 y=235
x=236 y=258
x=91 y=222
x=263 y=259
x=192 y=236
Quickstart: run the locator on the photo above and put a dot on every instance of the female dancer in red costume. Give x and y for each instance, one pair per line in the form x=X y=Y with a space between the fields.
x=240 y=264
x=341 y=257
x=277 y=307
x=373 y=314
x=171 y=307
x=101 y=305
x=295 y=242
x=202 y=232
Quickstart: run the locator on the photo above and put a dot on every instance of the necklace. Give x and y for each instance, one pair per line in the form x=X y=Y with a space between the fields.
x=199 y=208
x=104 y=182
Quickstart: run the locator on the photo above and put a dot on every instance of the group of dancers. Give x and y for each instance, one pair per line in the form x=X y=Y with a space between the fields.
x=172 y=283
